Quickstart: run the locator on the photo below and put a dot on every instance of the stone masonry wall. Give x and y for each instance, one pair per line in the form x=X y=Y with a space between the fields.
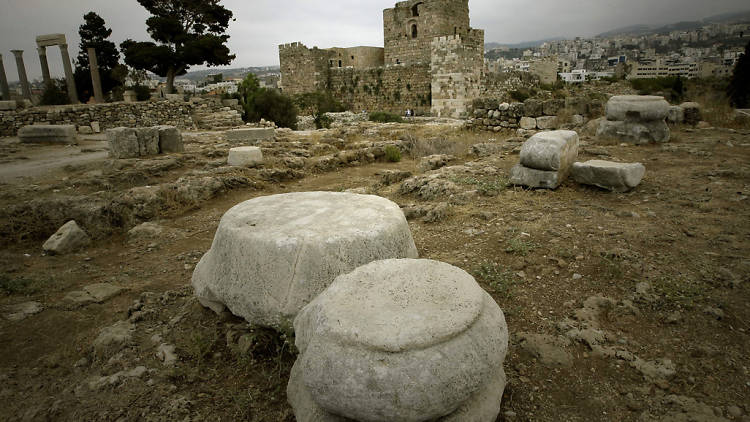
x=456 y=67
x=111 y=115
x=303 y=69
x=534 y=114
x=434 y=18
x=391 y=88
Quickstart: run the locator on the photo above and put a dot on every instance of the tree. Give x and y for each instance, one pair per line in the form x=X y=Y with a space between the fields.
x=188 y=33
x=263 y=103
x=94 y=34
x=318 y=104
x=739 y=85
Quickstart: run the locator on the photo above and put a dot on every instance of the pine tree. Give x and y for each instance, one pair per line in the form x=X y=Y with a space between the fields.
x=94 y=34
x=188 y=32
x=739 y=85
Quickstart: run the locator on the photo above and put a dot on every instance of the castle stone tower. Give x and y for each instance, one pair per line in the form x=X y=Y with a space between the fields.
x=411 y=26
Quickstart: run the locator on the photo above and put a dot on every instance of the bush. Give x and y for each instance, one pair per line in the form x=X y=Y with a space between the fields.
x=322 y=121
x=271 y=105
x=739 y=86
x=671 y=87
x=142 y=92
x=55 y=94
x=392 y=154
x=318 y=104
x=383 y=117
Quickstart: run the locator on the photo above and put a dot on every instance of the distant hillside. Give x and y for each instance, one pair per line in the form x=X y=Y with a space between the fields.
x=678 y=26
x=526 y=44
x=236 y=72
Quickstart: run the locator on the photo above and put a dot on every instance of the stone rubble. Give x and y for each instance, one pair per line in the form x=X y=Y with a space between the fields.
x=617 y=177
x=546 y=159
x=68 y=238
x=638 y=119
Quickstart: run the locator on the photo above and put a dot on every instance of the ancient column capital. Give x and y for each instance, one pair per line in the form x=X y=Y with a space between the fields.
x=42 y=51
x=17 y=53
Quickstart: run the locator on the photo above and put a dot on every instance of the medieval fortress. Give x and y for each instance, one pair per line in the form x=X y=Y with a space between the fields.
x=432 y=62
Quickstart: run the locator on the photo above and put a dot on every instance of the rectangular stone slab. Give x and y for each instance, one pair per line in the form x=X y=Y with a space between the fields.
x=57 y=134
x=535 y=179
x=249 y=135
x=617 y=177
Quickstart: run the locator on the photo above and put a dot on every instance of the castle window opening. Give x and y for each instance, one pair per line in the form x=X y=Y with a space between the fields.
x=414 y=31
x=339 y=63
x=415 y=10
x=352 y=57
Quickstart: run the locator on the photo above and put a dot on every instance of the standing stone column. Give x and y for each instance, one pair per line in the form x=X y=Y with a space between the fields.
x=72 y=93
x=4 y=90
x=45 y=66
x=25 y=89
x=96 y=81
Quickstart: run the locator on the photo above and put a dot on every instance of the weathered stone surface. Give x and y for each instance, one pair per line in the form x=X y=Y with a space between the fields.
x=148 y=141
x=101 y=292
x=245 y=157
x=21 y=311
x=532 y=178
x=113 y=338
x=85 y=130
x=8 y=105
x=550 y=350
x=251 y=135
x=637 y=108
x=550 y=151
x=170 y=139
x=424 y=340
x=57 y=134
x=546 y=122
x=552 y=107
x=533 y=107
x=618 y=177
x=96 y=127
x=123 y=143
x=676 y=115
x=272 y=255
x=68 y=238
x=528 y=123
x=634 y=132
x=692 y=113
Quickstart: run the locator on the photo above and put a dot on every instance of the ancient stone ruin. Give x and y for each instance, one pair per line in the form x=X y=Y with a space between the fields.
x=432 y=61
x=400 y=340
x=546 y=159
x=637 y=119
x=272 y=255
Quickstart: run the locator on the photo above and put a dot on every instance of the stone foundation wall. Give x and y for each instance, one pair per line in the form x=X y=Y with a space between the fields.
x=498 y=85
x=111 y=115
x=534 y=114
x=456 y=68
x=391 y=88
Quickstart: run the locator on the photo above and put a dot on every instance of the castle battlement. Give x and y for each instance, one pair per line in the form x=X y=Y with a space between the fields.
x=421 y=40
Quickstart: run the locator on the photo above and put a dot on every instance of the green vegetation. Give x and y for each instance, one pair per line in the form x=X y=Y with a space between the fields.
x=670 y=87
x=263 y=103
x=520 y=246
x=188 y=33
x=94 y=34
x=484 y=187
x=500 y=280
x=392 y=154
x=55 y=94
x=318 y=104
x=384 y=117
x=20 y=285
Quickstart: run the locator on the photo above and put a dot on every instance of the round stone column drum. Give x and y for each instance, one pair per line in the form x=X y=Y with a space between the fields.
x=400 y=340
x=272 y=255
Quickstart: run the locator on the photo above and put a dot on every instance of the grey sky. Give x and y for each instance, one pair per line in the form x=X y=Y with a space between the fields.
x=263 y=24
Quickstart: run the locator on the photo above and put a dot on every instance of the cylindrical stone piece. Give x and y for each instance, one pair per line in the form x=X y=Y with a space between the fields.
x=637 y=108
x=400 y=340
x=245 y=157
x=272 y=255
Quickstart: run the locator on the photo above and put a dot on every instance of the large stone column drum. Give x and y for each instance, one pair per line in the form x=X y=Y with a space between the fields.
x=273 y=255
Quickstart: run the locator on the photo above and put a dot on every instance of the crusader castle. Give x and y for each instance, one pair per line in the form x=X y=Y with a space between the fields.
x=432 y=62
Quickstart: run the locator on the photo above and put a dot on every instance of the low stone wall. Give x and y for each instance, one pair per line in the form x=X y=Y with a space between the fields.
x=184 y=115
x=533 y=114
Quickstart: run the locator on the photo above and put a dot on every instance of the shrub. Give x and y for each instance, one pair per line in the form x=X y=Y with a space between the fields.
x=739 y=86
x=142 y=92
x=383 y=117
x=55 y=93
x=671 y=87
x=318 y=104
x=271 y=105
x=392 y=154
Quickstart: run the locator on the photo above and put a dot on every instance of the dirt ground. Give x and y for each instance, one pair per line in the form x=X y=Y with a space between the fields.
x=621 y=307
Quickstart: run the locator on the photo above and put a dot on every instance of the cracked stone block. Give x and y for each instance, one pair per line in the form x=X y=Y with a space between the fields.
x=245 y=157
x=56 y=134
x=272 y=255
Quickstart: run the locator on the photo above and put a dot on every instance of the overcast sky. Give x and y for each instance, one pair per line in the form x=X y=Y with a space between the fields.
x=261 y=25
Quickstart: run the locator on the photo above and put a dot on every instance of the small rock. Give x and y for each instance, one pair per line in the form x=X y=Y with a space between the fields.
x=21 y=311
x=577 y=276
x=113 y=338
x=166 y=353
x=68 y=238
x=714 y=312
x=734 y=411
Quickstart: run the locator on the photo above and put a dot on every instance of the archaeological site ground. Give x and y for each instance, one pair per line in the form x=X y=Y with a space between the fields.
x=511 y=250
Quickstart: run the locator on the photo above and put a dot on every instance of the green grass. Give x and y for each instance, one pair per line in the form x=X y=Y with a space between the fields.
x=485 y=187
x=392 y=154
x=499 y=279
x=383 y=117
x=20 y=285
x=520 y=246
